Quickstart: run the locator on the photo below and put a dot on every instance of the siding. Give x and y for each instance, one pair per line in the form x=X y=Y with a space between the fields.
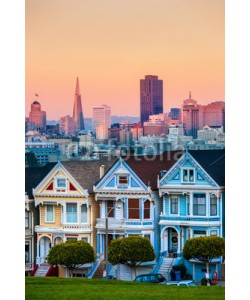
x=57 y=217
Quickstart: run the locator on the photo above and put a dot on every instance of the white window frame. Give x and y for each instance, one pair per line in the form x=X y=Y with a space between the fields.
x=178 y=204
x=46 y=207
x=126 y=184
x=188 y=175
x=217 y=232
x=199 y=215
x=210 y=206
x=77 y=217
x=81 y=213
x=84 y=238
x=149 y=210
x=56 y=183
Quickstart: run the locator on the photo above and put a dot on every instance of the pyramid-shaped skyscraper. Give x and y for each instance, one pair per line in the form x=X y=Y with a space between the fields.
x=77 y=111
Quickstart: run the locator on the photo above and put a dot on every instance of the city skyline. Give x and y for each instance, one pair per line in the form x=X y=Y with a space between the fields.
x=110 y=46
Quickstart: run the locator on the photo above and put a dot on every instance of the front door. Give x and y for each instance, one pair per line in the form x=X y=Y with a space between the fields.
x=44 y=248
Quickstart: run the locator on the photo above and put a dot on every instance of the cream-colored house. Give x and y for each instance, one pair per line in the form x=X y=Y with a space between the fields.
x=67 y=207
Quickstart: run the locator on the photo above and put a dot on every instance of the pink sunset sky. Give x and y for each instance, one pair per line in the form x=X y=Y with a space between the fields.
x=110 y=45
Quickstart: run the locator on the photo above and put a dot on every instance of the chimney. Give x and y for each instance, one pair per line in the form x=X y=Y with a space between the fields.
x=102 y=168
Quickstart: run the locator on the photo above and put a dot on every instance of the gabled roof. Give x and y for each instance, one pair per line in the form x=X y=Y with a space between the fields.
x=147 y=168
x=33 y=176
x=87 y=172
x=213 y=162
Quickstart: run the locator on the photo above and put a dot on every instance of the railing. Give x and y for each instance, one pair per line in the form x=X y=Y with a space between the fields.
x=34 y=271
x=93 y=269
x=185 y=218
x=158 y=265
x=77 y=226
x=53 y=271
x=29 y=266
x=111 y=222
x=139 y=223
x=170 y=268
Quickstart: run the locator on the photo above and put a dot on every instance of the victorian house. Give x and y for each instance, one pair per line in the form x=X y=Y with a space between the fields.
x=67 y=207
x=193 y=197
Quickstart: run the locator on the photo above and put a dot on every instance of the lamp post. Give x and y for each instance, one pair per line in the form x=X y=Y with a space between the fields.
x=106 y=237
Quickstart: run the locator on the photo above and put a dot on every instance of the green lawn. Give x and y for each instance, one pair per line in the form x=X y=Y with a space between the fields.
x=50 y=288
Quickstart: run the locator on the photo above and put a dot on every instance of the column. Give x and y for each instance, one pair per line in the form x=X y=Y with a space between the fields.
x=207 y=205
x=179 y=243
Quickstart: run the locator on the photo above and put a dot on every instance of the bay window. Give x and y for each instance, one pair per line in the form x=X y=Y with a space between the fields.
x=84 y=213
x=174 y=205
x=213 y=205
x=146 y=211
x=49 y=216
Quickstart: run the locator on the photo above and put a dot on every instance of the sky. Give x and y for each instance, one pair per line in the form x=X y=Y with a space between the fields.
x=110 y=45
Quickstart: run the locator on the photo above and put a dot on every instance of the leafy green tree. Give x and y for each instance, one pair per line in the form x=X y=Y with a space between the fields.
x=71 y=255
x=204 y=249
x=131 y=251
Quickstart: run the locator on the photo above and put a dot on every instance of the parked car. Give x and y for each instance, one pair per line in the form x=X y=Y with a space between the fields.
x=180 y=283
x=153 y=278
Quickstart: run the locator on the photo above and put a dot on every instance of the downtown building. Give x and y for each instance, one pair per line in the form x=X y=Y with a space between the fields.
x=77 y=110
x=196 y=116
x=151 y=97
x=37 y=118
x=101 y=116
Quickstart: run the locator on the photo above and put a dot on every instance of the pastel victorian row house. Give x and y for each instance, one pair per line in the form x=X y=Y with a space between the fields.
x=67 y=208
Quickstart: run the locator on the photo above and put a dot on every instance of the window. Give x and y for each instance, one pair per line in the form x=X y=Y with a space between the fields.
x=147 y=236
x=85 y=239
x=27 y=252
x=61 y=183
x=188 y=205
x=110 y=209
x=133 y=209
x=84 y=213
x=174 y=205
x=71 y=213
x=123 y=180
x=185 y=175
x=49 y=213
x=198 y=233
x=147 y=209
x=213 y=206
x=199 y=205
x=213 y=233
x=26 y=219
x=71 y=239
x=188 y=175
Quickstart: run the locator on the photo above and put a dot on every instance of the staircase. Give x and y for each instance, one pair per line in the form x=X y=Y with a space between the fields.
x=99 y=271
x=166 y=266
x=42 y=270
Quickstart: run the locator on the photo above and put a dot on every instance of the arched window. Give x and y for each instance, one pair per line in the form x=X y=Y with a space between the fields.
x=146 y=209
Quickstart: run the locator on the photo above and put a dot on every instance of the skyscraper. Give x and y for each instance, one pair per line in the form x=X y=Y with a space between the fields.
x=77 y=111
x=101 y=116
x=37 y=118
x=151 y=97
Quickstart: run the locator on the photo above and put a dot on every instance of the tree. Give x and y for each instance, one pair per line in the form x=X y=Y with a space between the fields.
x=204 y=249
x=71 y=254
x=131 y=251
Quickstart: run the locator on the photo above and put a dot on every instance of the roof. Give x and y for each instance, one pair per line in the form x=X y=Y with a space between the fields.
x=33 y=176
x=87 y=172
x=149 y=167
x=213 y=162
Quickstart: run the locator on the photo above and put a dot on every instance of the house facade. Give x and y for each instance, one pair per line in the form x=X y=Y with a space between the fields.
x=193 y=196
x=67 y=208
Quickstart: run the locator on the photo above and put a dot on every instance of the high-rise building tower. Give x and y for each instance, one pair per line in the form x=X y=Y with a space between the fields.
x=101 y=116
x=37 y=117
x=151 y=97
x=77 y=111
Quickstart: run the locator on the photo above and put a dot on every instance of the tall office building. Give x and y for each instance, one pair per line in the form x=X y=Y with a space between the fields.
x=77 y=111
x=151 y=97
x=67 y=125
x=101 y=116
x=37 y=117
